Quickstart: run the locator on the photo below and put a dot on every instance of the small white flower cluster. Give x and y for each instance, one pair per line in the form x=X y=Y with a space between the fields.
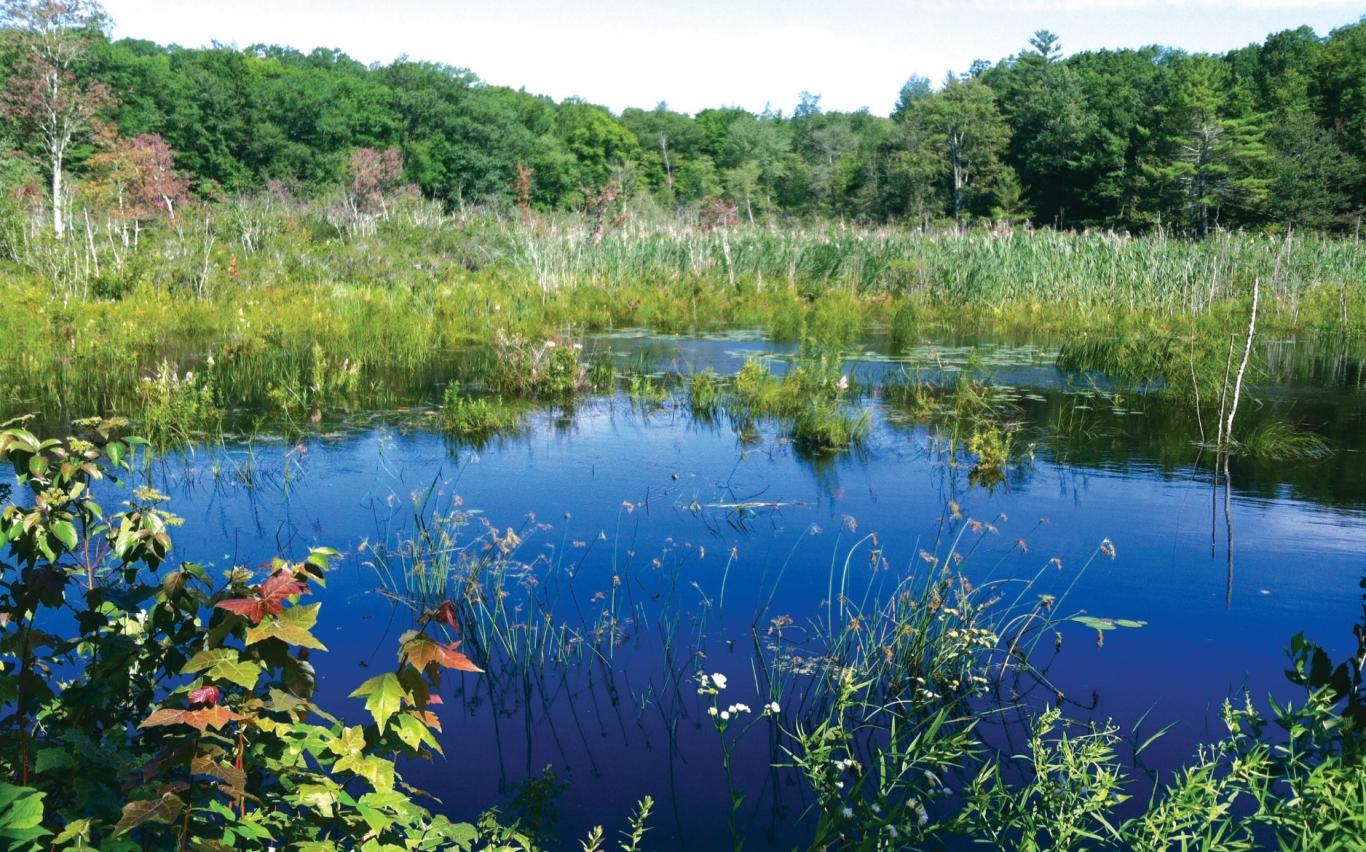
x=772 y=707
x=922 y=815
x=848 y=764
x=734 y=710
x=710 y=684
x=936 y=781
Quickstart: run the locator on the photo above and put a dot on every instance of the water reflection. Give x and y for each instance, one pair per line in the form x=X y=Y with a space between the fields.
x=655 y=544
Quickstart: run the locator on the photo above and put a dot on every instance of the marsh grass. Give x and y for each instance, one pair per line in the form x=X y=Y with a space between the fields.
x=1277 y=440
x=478 y=418
x=302 y=319
x=178 y=409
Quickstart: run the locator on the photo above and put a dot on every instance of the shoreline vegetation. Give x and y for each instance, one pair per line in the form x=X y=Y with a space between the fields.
x=198 y=244
x=484 y=318
x=303 y=321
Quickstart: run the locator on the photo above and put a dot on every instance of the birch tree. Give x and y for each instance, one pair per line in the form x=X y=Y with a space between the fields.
x=43 y=96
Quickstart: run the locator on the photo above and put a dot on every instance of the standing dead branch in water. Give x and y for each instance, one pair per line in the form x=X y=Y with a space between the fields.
x=1247 y=355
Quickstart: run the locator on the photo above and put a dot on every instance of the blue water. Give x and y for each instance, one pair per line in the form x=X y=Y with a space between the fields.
x=650 y=497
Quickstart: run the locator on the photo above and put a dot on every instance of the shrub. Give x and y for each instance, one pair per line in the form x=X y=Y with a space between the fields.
x=174 y=710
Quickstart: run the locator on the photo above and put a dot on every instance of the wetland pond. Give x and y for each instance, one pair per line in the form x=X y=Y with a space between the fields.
x=648 y=544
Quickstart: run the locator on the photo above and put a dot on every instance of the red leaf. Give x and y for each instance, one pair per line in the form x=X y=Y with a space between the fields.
x=445 y=613
x=270 y=597
x=252 y=608
x=204 y=695
x=422 y=652
x=282 y=584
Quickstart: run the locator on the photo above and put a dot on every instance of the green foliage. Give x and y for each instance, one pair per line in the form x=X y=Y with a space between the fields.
x=177 y=409
x=189 y=717
x=899 y=694
x=477 y=418
x=704 y=394
x=551 y=370
x=1268 y=136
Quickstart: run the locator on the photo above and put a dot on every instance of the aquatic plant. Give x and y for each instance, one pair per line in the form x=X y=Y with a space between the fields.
x=477 y=418
x=552 y=369
x=824 y=425
x=176 y=408
x=704 y=395
x=301 y=320
x=1278 y=440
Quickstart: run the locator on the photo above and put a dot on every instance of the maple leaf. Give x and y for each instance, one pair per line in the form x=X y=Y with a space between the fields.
x=383 y=696
x=270 y=597
x=164 y=809
x=209 y=717
x=422 y=652
x=290 y=627
x=230 y=775
x=204 y=695
x=445 y=613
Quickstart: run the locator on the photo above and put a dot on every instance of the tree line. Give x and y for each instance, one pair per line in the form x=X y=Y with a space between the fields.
x=1269 y=136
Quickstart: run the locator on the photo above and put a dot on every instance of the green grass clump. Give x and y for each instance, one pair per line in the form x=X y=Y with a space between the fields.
x=905 y=325
x=178 y=408
x=477 y=418
x=1277 y=440
x=825 y=426
x=704 y=395
x=552 y=369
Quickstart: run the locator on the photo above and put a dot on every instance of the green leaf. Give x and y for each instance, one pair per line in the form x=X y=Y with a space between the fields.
x=78 y=829
x=351 y=741
x=205 y=660
x=290 y=627
x=21 y=809
x=1106 y=623
x=378 y=771
x=52 y=758
x=322 y=798
x=414 y=734
x=244 y=674
x=383 y=696
x=65 y=532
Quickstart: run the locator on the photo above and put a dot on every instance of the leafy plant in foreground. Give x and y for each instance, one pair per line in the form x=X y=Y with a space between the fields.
x=145 y=708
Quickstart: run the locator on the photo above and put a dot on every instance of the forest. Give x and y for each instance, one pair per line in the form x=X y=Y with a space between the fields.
x=1270 y=136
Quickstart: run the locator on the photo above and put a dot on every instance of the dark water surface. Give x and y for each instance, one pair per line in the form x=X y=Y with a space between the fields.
x=658 y=501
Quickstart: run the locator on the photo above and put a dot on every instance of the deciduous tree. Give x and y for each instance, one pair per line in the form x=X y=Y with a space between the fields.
x=43 y=95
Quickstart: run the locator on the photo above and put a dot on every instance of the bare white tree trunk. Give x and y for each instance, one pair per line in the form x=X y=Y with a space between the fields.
x=58 y=218
x=1247 y=354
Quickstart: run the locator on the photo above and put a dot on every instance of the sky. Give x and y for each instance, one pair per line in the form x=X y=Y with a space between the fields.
x=709 y=53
